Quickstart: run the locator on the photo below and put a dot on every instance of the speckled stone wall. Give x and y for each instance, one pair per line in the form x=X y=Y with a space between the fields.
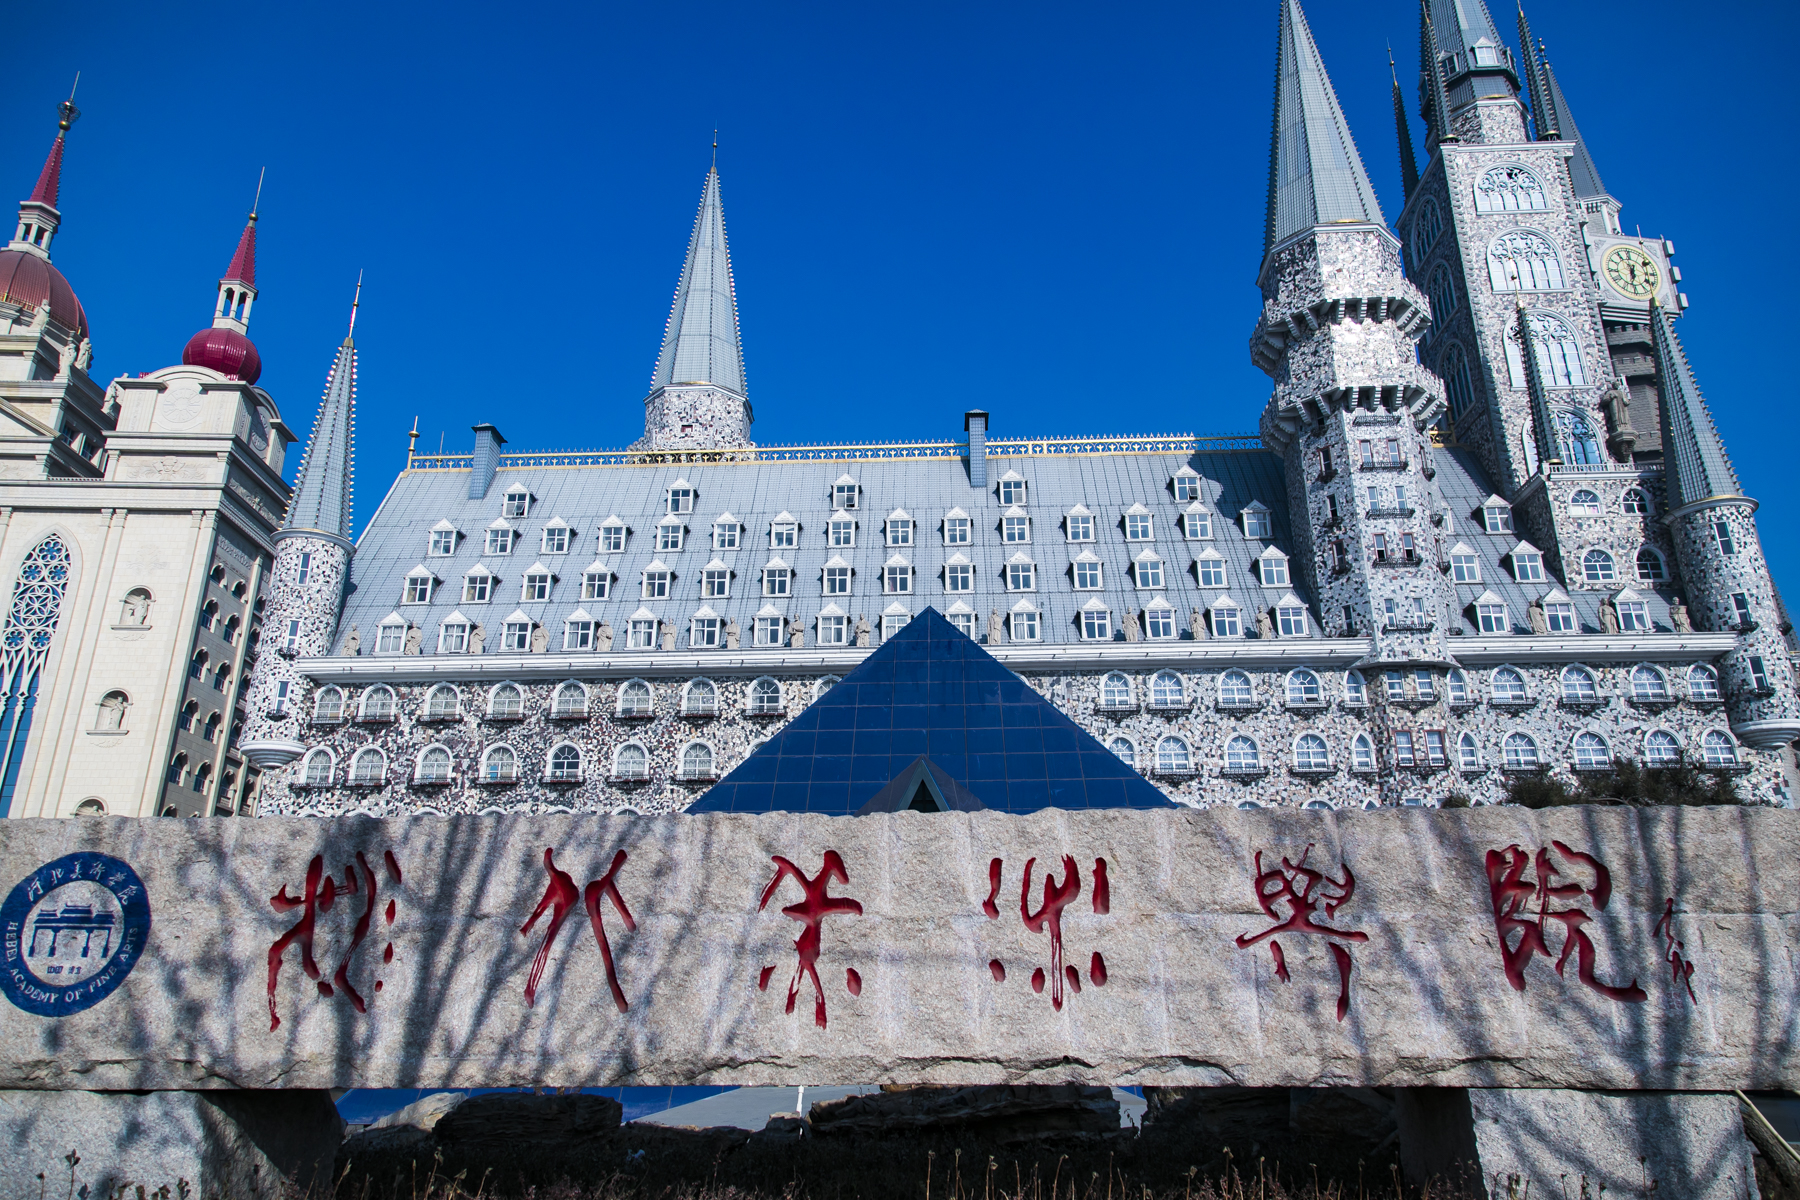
x=695 y=418
x=268 y=736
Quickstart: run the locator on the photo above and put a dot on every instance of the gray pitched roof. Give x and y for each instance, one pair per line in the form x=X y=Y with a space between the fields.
x=1462 y=23
x=1316 y=177
x=700 y=343
x=322 y=489
x=1697 y=465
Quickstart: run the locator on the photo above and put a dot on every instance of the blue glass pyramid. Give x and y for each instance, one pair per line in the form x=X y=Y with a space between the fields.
x=930 y=692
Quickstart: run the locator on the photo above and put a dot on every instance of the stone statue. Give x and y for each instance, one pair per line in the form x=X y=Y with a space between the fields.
x=65 y=358
x=1197 y=625
x=1535 y=614
x=1131 y=625
x=414 y=637
x=540 y=639
x=1264 y=627
x=1609 y=617
x=85 y=355
x=993 y=629
x=1678 y=618
x=40 y=320
x=353 y=643
x=112 y=712
x=136 y=610
x=603 y=638
x=477 y=639
x=731 y=635
x=668 y=635
x=862 y=630
x=796 y=633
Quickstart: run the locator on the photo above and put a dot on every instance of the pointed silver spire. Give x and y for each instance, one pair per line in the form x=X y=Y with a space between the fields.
x=1582 y=171
x=1316 y=177
x=1463 y=24
x=1698 y=468
x=701 y=343
x=322 y=490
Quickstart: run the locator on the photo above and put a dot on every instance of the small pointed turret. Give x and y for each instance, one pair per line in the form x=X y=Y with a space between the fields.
x=1409 y=166
x=1434 y=104
x=1316 y=176
x=38 y=215
x=701 y=344
x=323 y=487
x=1543 y=112
x=226 y=346
x=1698 y=468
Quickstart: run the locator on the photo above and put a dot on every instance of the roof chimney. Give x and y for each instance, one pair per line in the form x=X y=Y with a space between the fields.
x=487 y=460
x=975 y=422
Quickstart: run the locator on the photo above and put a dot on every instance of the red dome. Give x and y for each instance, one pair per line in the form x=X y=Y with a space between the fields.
x=30 y=280
x=226 y=351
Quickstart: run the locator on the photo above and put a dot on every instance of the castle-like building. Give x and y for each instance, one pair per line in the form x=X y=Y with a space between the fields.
x=1487 y=529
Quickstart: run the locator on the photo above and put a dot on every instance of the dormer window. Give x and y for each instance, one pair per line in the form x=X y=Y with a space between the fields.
x=419 y=585
x=556 y=537
x=726 y=532
x=657 y=578
x=478 y=585
x=578 y=634
x=1012 y=488
x=390 y=635
x=896 y=576
x=499 y=538
x=515 y=635
x=680 y=497
x=516 y=503
x=1089 y=576
x=1149 y=570
x=1290 y=617
x=715 y=580
x=899 y=528
x=1021 y=573
x=1139 y=525
x=844 y=493
x=443 y=539
x=842 y=529
x=1227 y=618
x=1015 y=526
x=1258 y=524
x=959 y=530
x=1196 y=523
x=1079 y=523
x=1210 y=568
x=1274 y=567
x=784 y=532
x=1496 y=515
x=836 y=577
x=669 y=534
x=612 y=535
x=596 y=583
x=1559 y=612
x=1187 y=485
x=537 y=583
x=1527 y=563
x=777 y=579
x=959 y=573
x=1465 y=566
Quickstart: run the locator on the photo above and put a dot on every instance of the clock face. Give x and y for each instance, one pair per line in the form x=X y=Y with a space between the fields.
x=1631 y=272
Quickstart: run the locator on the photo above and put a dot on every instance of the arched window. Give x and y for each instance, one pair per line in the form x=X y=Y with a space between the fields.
x=190 y=712
x=1661 y=749
x=1303 y=688
x=1592 y=752
x=1578 y=686
x=697 y=761
x=135 y=608
x=1635 y=502
x=1558 y=352
x=178 y=768
x=1426 y=227
x=1166 y=690
x=221 y=677
x=500 y=765
x=441 y=704
x=434 y=765
x=1597 y=567
x=93 y=806
x=1578 y=444
x=1235 y=690
x=1173 y=758
x=1115 y=691
x=1521 y=752
x=1362 y=753
x=1127 y=753
x=765 y=696
x=378 y=703
x=631 y=762
x=506 y=703
x=202 y=777
x=634 y=698
x=1718 y=750
x=565 y=764
x=700 y=699
x=209 y=614
x=1523 y=260
x=1241 y=755
x=570 y=701
x=824 y=685
x=368 y=768
x=1703 y=682
x=1456 y=685
x=1443 y=296
x=1647 y=683
x=1584 y=503
x=1468 y=754
x=1508 y=188
x=1459 y=388
x=1356 y=691
x=1650 y=568
x=318 y=769
x=111 y=717
x=211 y=731
x=1311 y=754
x=1509 y=686
x=30 y=628
x=328 y=709
x=197 y=665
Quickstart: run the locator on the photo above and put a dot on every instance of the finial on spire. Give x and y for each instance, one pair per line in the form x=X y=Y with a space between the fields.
x=715 y=157
x=257 y=203
x=355 y=300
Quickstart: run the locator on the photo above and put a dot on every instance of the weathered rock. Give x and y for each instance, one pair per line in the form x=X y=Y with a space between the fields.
x=781 y=1127
x=408 y=1128
x=1001 y=1113
x=518 y=1121
x=241 y=1145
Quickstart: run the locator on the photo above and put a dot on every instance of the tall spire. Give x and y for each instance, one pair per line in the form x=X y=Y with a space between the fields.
x=1433 y=100
x=1698 y=468
x=701 y=343
x=1316 y=176
x=322 y=490
x=38 y=215
x=1582 y=171
x=1543 y=112
x=1409 y=166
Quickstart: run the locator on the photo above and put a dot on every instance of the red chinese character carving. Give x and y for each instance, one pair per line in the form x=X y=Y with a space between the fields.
x=318 y=898
x=1681 y=968
x=1513 y=895
x=1304 y=893
x=560 y=897
x=1048 y=918
x=817 y=904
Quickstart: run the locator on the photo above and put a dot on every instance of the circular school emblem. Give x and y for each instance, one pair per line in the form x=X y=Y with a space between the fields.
x=73 y=930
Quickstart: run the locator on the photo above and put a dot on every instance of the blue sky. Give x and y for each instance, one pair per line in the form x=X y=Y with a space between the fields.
x=1050 y=211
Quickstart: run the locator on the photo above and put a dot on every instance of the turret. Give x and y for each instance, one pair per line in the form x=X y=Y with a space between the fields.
x=224 y=346
x=311 y=569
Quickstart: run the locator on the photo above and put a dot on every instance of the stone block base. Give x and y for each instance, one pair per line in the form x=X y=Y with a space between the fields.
x=224 y=1144
x=1688 y=1144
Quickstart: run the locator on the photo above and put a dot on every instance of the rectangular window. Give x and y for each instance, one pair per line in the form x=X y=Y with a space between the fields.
x=537 y=587
x=1374 y=494
x=1492 y=618
x=612 y=538
x=1024 y=626
x=1022 y=577
x=1407 y=551
x=668 y=537
x=499 y=541
x=1381 y=547
x=843 y=533
x=1196 y=525
x=453 y=638
x=725 y=535
x=656 y=585
x=1088 y=576
x=1015 y=529
x=768 y=631
x=957 y=531
x=897 y=578
x=290 y=642
x=282 y=691
x=578 y=635
x=1334 y=555
x=837 y=581
x=1096 y=626
x=1465 y=568
x=1497 y=518
x=1081 y=527
x=893 y=623
x=305 y=568
x=1759 y=675
x=681 y=500
x=1390 y=613
x=1424 y=686
x=556 y=539
x=596 y=585
x=640 y=634
x=715 y=581
x=963 y=623
x=1741 y=602
x=516 y=636
x=1395 y=684
x=1159 y=623
x=1274 y=571
x=1393 y=451
x=1212 y=572
x=418 y=589
x=959 y=577
x=843 y=495
x=1403 y=750
x=1331 y=511
x=834 y=630
x=443 y=541
x=1138 y=527
x=1367 y=450
x=1012 y=491
x=1528 y=568
x=1560 y=617
x=391 y=639
x=1187 y=487
x=1634 y=616
x=900 y=533
x=514 y=504
x=1400 y=495
x=1434 y=747
x=1226 y=622
x=703 y=633
x=1722 y=535
x=476 y=588
x=783 y=534
x=777 y=581
x=1291 y=621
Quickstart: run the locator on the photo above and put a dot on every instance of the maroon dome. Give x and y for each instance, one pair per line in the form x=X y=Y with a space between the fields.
x=31 y=281
x=226 y=351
